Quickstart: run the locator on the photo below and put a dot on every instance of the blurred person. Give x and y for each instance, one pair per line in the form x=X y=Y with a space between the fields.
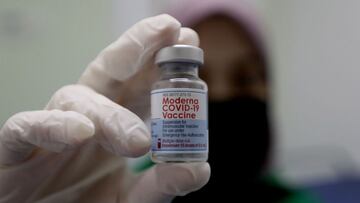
x=75 y=149
x=236 y=70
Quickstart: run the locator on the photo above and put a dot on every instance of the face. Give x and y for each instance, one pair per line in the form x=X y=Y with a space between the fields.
x=235 y=73
x=233 y=66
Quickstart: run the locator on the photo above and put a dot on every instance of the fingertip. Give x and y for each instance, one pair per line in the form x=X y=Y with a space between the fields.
x=165 y=21
x=188 y=36
x=204 y=171
x=182 y=178
x=196 y=175
x=164 y=181
x=139 y=142
x=161 y=30
x=125 y=134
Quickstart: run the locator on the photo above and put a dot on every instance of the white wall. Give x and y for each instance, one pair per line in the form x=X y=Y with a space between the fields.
x=47 y=44
x=315 y=49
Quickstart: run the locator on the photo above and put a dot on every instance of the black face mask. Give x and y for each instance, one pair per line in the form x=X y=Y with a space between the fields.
x=239 y=142
x=238 y=135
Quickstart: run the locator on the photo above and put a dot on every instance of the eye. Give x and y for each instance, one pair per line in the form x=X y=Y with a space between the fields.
x=247 y=72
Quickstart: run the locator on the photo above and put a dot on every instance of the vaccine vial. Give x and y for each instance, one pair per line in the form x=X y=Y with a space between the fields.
x=179 y=110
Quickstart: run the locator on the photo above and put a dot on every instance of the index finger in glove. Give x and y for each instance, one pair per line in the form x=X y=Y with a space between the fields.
x=133 y=51
x=118 y=130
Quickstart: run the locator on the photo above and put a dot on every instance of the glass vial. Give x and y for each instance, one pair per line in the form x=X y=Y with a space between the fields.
x=179 y=109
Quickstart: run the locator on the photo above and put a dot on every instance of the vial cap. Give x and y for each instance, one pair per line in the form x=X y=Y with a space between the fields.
x=180 y=53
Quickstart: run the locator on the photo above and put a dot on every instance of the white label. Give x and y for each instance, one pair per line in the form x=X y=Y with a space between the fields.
x=179 y=120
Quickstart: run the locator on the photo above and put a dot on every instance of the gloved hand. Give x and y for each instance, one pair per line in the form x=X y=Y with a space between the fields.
x=75 y=150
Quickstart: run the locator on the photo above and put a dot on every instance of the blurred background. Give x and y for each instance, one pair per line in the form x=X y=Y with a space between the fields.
x=312 y=46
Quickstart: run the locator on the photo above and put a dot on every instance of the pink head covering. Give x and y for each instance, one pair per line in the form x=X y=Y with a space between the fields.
x=191 y=12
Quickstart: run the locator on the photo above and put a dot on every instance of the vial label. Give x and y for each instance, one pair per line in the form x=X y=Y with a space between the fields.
x=179 y=120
